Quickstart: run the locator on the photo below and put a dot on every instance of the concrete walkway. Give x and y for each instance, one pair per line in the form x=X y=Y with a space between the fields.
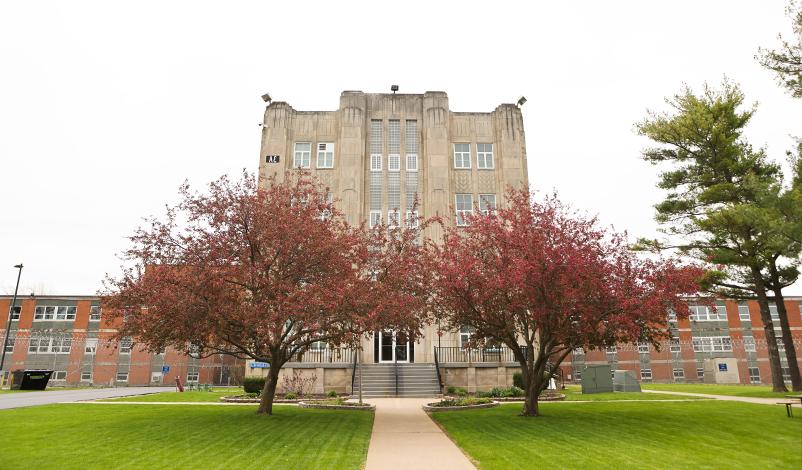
x=47 y=397
x=760 y=401
x=405 y=437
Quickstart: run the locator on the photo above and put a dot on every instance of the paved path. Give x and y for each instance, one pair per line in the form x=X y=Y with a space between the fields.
x=405 y=437
x=761 y=401
x=47 y=397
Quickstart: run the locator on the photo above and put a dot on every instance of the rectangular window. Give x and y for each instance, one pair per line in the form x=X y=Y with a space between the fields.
x=487 y=203
x=484 y=156
x=94 y=313
x=62 y=345
x=325 y=155
x=303 y=155
x=749 y=343
x=646 y=374
x=325 y=214
x=412 y=162
x=672 y=316
x=780 y=344
x=60 y=313
x=712 y=344
x=90 y=347
x=775 y=316
x=392 y=219
x=465 y=333
x=375 y=218
x=743 y=312
x=643 y=348
x=754 y=375
x=375 y=162
x=679 y=373
x=394 y=162
x=700 y=372
x=33 y=345
x=704 y=313
x=611 y=349
x=786 y=374
x=59 y=375
x=15 y=312
x=464 y=208
x=674 y=346
x=192 y=377
x=122 y=377
x=412 y=220
x=86 y=376
x=462 y=155
x=9 y=347
x=65 y=313
x=125 y=345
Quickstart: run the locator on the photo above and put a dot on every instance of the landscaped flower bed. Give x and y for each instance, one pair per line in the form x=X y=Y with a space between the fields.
x=286 y=398
x=513 y=394
x=336 y=404
x=448 y=404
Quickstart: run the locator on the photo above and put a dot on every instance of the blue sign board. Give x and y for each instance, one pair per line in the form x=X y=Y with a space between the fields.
x=165 y=369
x=260 y=365
x=722 y=367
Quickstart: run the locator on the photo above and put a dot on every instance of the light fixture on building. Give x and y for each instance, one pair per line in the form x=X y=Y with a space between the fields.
x=393 y=88
x=521 y=101
x=266 y=98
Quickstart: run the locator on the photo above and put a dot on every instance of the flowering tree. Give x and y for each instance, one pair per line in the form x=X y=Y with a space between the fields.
x=542 y=280
x=255 y=273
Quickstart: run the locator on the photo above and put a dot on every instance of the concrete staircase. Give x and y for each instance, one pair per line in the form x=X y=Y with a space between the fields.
x=414 y=380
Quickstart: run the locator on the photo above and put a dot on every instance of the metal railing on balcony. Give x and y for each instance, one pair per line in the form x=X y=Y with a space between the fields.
x=325 y=356
x=452 y=354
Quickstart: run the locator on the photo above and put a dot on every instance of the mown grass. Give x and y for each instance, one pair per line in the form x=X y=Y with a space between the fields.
x=702 y=434
x=756 y=391
x=188 y=396
x=85 y=436
x=574 y=393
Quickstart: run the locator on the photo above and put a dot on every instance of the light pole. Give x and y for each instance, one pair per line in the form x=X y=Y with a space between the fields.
x=8 y=324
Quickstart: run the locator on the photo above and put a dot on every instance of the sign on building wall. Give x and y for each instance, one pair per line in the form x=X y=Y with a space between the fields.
x=260 y=365
x=272 y=158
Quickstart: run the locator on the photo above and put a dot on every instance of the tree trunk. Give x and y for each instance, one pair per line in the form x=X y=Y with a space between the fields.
x=533 y=380
x=768 y=327
x=269 y=391
x=788 y=339
x=531 y=402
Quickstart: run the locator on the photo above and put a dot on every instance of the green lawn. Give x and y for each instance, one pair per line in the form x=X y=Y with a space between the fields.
x=193 y=396
x=758 y=391
x=574 y=393
x=82 y=436
x=704 y=434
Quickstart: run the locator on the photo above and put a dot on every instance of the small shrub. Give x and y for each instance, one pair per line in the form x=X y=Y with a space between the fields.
x=462 y=392
x=290 y=396
x=297 y=383
x=516 y=391
x=451 y=390
x=253 y=384
x=463 y=402
x=332 y=394
x=483 y=394
x=518 y=380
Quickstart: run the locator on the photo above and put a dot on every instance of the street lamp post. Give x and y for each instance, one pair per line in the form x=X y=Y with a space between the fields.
x=8 y=324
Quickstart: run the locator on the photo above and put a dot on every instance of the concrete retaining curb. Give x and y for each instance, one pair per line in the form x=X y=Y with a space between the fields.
x=429 y=408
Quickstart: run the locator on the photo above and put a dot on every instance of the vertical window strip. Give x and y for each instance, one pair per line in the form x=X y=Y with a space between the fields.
x=376 y=142
x=394 y=139
x=411 y=134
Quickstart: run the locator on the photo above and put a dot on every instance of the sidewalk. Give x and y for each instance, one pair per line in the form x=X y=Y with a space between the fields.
x=405 y=437
x=54 y=395
x=760 y=401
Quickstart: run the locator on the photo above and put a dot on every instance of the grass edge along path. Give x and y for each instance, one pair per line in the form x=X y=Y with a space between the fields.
x=81 y=436
x=734 y=390
x=704 y=434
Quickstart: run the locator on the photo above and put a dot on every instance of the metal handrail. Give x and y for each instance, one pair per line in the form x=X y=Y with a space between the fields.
x=437 y=367
x=395 y=361
x=498 y=354
x=353 y=373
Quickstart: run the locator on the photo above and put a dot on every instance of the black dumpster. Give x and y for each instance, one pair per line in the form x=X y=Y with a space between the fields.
x=30 y=379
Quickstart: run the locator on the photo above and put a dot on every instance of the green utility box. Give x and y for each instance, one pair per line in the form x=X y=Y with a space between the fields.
x=597 y=379
x=625 y=381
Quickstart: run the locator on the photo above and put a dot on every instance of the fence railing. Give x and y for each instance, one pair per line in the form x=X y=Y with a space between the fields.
x=325 y=356
x=450 y=354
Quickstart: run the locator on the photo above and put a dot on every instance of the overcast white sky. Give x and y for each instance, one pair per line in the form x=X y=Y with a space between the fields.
x=105 y=109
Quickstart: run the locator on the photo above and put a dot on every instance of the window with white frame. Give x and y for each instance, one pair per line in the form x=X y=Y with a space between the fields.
x=464 y=208
x=59 y=375
x=646 y=374
x=192 y=377
x=487 y=203
x=749 y=344
x=462 y=155
x=786 y=374
x=780 y=344
x=674 y=346
x=705 y=313
x=303 y=155
x=90 y=347
x=679 y=373
x=775 y=315
x=465 y=334
x=325 y=155
x=754 y=375
x=318 y=346
x=12 y=338
x=611 y=349
x=122 y=377
x=712 y=344
x=412 y=162
x=15 y=312
x=376 y=162
x=643 y=347
x=59 y=313
x=94 y=313
x=86 y=376
x=743 y=312
x=125 y=345
x=393 y=219
x=484 y=156
x=394 y=162
x=700 y=372
x=65 y=313
x=579 y=352
x=672 y=316
x=375 y=218
x=50 y=344
x=412 y=220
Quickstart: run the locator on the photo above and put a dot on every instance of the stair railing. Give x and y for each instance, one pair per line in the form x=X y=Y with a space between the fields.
x=437 y=366
x=395 y=363
x=353 y=373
